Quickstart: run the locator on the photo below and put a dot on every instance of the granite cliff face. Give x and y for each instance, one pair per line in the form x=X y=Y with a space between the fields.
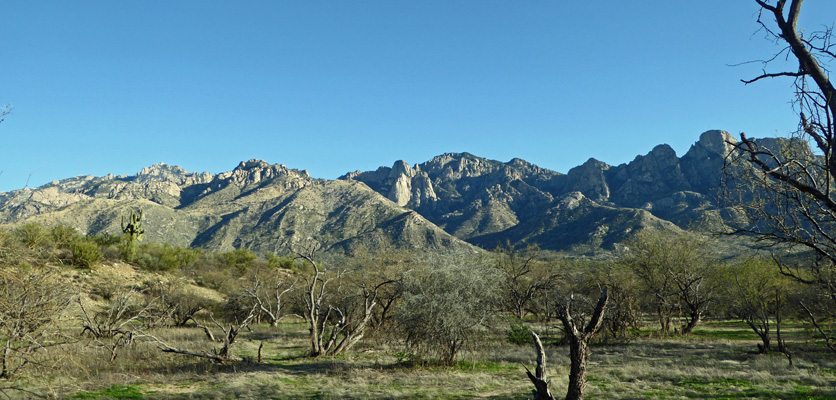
x=594 y=205
x=442 y=203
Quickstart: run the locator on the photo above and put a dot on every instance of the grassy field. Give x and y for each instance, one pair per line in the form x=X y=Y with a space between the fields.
x=717 y=362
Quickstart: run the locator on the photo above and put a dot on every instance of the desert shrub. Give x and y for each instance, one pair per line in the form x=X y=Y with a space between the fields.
x=112 y=252
x=446 y=303
x=276 y=261
x=154 y=257
x=106 y=285
x=209 y=270
x=32 y=235
x=63 y=236
x=32 y=303
x=625 y=296
x=86 y=253
x=9 y=247
x=240 y=259
x=106 y=239
x=519 y=333
x=176 y=302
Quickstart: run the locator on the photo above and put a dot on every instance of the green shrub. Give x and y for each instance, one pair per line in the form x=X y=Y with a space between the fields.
x=32 y=235
x=276 y=261
x=242 y=259
x=106 y=239
x=153 y=257
x=86 y=253
x=63 y=236
x=519 y=333
x=447 y=301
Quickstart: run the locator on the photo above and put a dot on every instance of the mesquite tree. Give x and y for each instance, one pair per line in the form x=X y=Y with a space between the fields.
x=785 y=189
x=337 y=315
x=675 y=271
x=448 y=300
x=524 y=277
x=759 y=297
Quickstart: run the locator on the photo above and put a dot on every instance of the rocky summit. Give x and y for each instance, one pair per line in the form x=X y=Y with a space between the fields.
x=453 y=201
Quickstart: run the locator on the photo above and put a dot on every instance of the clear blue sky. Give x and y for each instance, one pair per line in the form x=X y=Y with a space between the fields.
x=334 y=86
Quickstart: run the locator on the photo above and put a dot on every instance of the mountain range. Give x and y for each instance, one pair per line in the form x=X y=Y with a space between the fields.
x=455 y=201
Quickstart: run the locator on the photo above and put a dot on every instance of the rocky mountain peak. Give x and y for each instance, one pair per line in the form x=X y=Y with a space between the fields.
x=588 y=178
x=168 y=173
x=458 y=165
x=401 y=168
x=703 y=163
x=162 y=169
x=252 y=165
x=256 y=171
x=663 y=152
x=714 y=142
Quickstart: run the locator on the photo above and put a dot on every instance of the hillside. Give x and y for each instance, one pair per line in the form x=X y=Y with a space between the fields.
x=256 y=206
x=453 y=201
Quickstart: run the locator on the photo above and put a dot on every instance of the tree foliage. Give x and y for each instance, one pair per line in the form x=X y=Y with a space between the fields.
x=675 y=272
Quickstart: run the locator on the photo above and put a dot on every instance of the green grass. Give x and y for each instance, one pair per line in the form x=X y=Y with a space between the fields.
x=712 y=383
x=114 y=392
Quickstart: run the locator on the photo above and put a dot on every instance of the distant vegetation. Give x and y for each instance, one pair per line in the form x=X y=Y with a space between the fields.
x=75 y=315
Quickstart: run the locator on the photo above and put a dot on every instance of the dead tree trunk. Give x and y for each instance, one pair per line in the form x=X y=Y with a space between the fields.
x=578 y=338
x=541 y=385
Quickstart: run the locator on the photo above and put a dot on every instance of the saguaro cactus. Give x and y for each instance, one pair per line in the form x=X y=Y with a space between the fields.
x=134 y=232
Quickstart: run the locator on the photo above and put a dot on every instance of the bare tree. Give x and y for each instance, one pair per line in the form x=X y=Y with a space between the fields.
x=337 y=316
x=173 y=303
x=541 y=385
x=223 y=354
x=267 y=296
x=525 y=276
x=579 y=333
x=32 y=303
x=112 y=327
x=785 y=190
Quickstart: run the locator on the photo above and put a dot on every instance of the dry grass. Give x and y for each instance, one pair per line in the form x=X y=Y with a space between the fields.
x=650 y=368
x=717 y=361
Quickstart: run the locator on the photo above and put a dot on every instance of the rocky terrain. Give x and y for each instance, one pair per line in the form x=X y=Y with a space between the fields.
x=451 y=201
x=594 y=205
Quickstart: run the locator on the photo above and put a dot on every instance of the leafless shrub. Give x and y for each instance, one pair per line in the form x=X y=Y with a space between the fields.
x=33 y=303
x=446 y=303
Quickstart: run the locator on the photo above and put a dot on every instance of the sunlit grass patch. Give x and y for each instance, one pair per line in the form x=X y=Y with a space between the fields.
x=113 y=392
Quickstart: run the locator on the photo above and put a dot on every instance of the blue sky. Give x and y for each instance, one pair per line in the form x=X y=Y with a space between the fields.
x=334 y=86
